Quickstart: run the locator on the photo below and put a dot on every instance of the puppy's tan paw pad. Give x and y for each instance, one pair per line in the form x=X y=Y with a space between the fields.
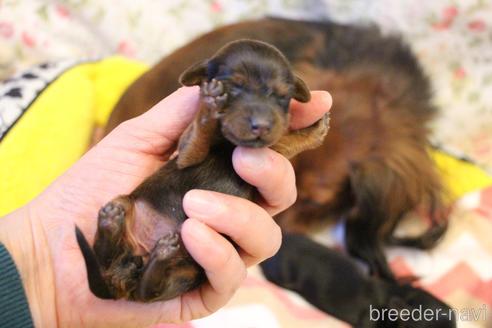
x=111 y=217
x=213 y=94
x=166 y=246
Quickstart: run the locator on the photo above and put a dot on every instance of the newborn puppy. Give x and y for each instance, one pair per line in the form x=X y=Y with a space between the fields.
x=245 y=91
x=336 y=285
x=373 y=167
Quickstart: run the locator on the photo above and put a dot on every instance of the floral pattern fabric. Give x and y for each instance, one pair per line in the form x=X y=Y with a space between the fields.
x=452 y=39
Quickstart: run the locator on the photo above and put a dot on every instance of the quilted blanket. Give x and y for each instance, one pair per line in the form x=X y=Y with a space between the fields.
x=451 y=38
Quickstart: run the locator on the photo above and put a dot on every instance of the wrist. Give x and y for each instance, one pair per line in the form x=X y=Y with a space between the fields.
x=24 y=238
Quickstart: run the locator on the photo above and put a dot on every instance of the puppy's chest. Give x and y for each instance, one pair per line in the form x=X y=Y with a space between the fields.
x=158 y=201
x=164 y=191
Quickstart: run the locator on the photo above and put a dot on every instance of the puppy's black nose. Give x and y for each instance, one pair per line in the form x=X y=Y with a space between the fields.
x=260 y=126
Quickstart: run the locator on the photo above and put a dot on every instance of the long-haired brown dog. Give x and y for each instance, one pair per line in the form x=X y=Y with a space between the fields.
x=373 y=168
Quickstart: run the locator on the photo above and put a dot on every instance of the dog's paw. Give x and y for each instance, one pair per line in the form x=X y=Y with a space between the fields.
x=111 y=218
x=122 y=276
x=213 y=94
x=166 y=246
x=319 y=129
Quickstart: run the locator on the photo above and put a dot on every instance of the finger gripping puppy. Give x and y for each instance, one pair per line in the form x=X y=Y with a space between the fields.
x=245 y=90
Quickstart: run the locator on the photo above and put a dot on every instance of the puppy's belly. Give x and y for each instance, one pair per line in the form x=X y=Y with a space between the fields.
x=148 y=226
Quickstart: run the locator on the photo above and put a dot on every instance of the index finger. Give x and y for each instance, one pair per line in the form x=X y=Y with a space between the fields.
x=306 y=114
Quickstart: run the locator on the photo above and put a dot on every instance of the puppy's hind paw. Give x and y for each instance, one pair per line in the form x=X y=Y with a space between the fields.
x=213 y=94
x=166 y=246
x=111 y=218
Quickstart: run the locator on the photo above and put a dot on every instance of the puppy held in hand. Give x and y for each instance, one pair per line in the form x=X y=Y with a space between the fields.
x=336 y=285
x=373 y=168
x=245 y=90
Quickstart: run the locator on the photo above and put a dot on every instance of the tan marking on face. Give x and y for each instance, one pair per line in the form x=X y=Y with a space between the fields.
x=280 y=88
x=238 y=79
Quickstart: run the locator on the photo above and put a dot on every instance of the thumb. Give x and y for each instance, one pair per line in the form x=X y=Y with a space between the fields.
x=161 y=126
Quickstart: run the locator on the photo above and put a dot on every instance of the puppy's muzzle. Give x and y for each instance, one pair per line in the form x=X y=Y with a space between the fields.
x=260 y=126
x=252 y=130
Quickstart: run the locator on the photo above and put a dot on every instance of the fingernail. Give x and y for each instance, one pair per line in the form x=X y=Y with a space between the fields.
x=326 y=98
x=201 y=203
x=253 y=159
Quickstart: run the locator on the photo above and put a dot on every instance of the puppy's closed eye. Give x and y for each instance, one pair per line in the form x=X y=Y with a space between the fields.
x=235 y=90
x=238 y=80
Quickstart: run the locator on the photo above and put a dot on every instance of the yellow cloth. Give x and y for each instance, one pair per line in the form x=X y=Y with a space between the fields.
x=460 y=177
x=56 y=129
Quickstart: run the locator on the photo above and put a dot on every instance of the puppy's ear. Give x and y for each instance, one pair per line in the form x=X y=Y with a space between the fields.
x=301 y=92
x=195 y=75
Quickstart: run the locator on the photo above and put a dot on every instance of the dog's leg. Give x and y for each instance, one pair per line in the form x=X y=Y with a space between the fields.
x=170 y=271
x=112 y=249
x=123 y=275
x=196 y=140
x=362 y=242
x=425 y=241
x=298 y=141
x=112 y=221
x=428 y=239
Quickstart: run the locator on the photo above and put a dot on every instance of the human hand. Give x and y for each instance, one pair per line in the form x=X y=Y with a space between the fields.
x=40 y=236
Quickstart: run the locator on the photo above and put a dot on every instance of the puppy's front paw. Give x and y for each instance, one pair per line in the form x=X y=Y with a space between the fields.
x=166 y=246
x=213 y=94
x=318 y=130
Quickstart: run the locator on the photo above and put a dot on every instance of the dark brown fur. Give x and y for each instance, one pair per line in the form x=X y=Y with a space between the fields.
x=245 y=88
x=336 y=284
x=373 y=167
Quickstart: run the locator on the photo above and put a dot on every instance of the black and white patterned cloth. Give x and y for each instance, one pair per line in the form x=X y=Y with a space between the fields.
x=18 y=92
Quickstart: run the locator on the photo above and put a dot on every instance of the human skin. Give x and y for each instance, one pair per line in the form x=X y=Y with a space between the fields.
x=41 y=239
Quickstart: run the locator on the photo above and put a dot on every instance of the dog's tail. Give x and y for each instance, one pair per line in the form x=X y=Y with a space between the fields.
x=426 y=240
x=97 y=285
